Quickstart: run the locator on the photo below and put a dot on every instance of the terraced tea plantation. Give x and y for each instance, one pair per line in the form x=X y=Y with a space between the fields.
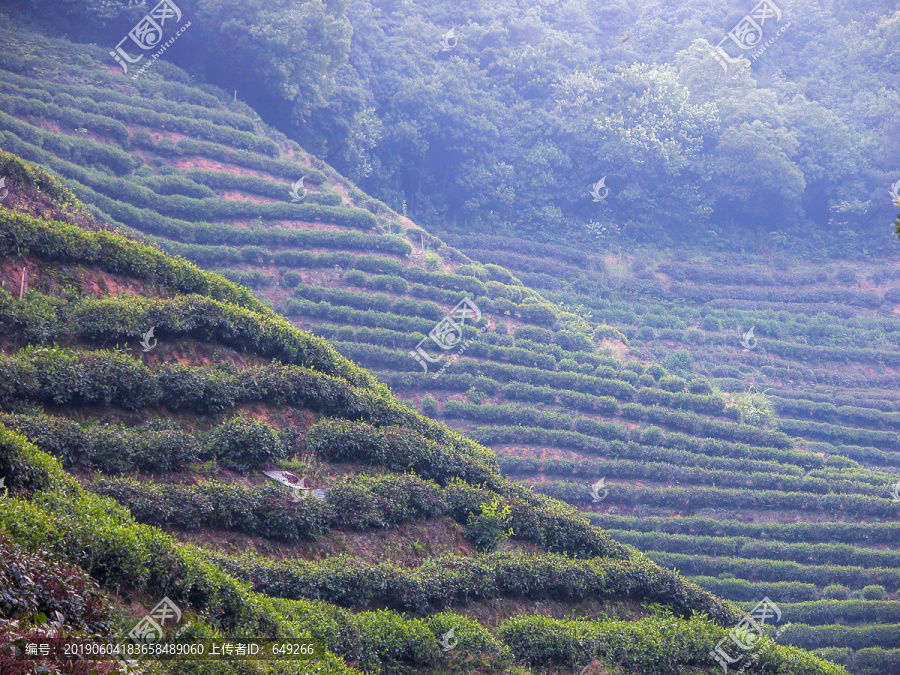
x=555 y=365
x=133 y=468
x=809 y=516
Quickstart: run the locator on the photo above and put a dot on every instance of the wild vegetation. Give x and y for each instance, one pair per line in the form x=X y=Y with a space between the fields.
x=499 y=117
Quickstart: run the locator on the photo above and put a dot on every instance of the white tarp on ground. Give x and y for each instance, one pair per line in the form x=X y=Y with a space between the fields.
x=295 y=483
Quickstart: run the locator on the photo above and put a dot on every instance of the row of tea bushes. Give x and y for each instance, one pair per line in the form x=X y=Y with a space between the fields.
x=778 y=570
x=454 y=580
x=886 y=636
x=273 y=512
x=802 y=532
x=652 y=646
x=710 y=497
x=653 y=445
x=744 y=547
x=725 y=476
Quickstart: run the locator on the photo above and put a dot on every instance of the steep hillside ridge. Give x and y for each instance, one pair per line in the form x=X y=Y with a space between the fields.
x=108 y=427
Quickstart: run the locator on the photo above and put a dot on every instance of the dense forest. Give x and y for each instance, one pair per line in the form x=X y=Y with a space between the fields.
x=508 y=130
x=668 y=275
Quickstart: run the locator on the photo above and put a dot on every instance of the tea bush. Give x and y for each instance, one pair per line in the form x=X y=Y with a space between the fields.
x=35 y=583
x=243 y=444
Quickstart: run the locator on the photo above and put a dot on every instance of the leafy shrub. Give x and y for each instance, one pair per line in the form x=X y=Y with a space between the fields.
x=429 y=405
x=651 y=646
x=475 y=395
x=478 y=648
x=711 y=323
x=490 y=527
x=836 y=592
x=353 y=277
x=36 y=583
x=242 y=444
x=646 y=380
x=699 y=385
x=873 y=592
x=656 y=370
x=673 y=384
x=396 y=642
x=755 y=409
x=388 y=282
x=110 y=448
x=384 y=501
x=396 y=448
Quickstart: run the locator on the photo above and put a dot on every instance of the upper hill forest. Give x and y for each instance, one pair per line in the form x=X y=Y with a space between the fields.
x=700 y=353
x=504 y=125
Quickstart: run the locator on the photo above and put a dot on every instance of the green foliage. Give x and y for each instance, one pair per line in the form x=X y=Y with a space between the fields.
x=267 y=511
x=755 y=409
x=836 y=592
x=397 y=449
x=58 y=376
x=727 y=586
x=384 y=501
x=873 y=592
x=429 y=406
x=678 y=362
x=109 y=448
x=477 y=647
x=654 y=646
x=37 y=584
x=242 y=444
x=448 y=580
x=489 y=528
x=432 y=261
x=395 y=641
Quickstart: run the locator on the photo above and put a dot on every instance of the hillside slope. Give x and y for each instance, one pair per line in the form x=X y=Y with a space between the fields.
x=96 y=408
x=543 y=384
